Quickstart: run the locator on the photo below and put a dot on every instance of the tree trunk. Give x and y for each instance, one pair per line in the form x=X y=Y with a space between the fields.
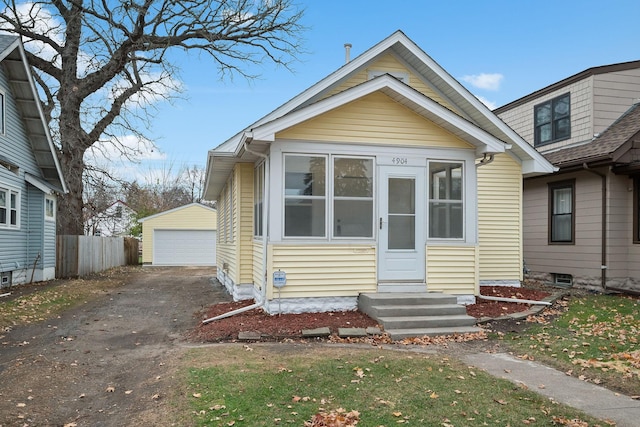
x=70 y=205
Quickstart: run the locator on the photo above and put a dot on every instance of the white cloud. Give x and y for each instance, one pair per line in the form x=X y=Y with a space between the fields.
x=484 y=80
x=490 y=104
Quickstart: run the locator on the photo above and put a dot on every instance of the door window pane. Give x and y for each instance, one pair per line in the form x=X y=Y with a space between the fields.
x=402 y=231
x=402 y=209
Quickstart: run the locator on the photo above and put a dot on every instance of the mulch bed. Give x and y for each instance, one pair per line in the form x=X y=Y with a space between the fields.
x=291 y=325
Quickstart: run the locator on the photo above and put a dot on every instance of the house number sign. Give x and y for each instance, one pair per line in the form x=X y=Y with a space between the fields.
x=396 y=160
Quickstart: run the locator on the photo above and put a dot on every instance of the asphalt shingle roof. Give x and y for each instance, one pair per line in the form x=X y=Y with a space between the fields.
x=602 y=147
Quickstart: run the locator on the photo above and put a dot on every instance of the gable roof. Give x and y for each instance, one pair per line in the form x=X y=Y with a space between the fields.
x=14 y=62
x=606 y=147
x=179 y=208
x=472 y=112
x=593 y=71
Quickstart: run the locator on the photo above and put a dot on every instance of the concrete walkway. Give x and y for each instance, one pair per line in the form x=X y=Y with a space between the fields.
x=590 y=398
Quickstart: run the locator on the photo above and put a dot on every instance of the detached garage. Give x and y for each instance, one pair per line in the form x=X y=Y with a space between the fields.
x=182 y=236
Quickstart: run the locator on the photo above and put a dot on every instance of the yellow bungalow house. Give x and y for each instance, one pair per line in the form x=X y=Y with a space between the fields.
x=386 y=176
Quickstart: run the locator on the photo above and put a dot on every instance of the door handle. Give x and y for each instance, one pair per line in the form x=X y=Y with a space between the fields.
x=380 y=223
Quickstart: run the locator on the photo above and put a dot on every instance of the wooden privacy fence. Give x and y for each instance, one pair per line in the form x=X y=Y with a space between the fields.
x=78 y=256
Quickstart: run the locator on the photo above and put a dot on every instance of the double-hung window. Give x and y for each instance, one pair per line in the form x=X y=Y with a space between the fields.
x=552 y=120
x=340 y=208
x=49 y=208
x=446 y=207
x=561 y=209
x=9 y=208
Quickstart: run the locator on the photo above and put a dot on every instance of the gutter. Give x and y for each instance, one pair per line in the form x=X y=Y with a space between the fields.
x=603 y=243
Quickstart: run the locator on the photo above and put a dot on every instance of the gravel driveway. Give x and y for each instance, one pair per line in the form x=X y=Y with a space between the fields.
x=109 y=362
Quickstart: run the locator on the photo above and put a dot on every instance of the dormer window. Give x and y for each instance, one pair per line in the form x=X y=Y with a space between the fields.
x=552 y=120
x=403 y=77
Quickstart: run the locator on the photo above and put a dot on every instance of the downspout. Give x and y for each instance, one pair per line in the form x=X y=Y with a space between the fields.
x=521 y=301
x=488 y=158
x=603 y=244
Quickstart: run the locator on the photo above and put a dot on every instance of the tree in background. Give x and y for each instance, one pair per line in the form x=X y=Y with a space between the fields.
x=101 y=65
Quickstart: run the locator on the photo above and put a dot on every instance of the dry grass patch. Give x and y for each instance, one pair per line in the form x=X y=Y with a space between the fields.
x=294 y=384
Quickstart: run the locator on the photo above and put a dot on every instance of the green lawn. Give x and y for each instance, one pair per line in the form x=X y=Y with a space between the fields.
x=595 y=339
x=263 y=385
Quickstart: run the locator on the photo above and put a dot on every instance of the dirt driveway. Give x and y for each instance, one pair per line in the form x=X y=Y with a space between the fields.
x=109 y=362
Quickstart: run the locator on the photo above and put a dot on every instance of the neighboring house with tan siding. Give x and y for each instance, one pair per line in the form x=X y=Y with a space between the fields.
x=581 y=223
x=186 y=235
x=385 y=176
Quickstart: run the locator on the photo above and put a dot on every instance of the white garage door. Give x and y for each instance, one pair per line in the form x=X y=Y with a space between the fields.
x=184 y=247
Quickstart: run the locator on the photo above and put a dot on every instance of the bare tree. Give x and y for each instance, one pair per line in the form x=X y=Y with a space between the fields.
x=102 y=64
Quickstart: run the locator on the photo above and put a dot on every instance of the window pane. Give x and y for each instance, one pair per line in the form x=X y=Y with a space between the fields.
x=561 y=228
x=562 y=201
x=353 y=218
x=561 y=107
x=543 y=114
x=304 y=176
x=562 y=128
x=3 y=215
x=304 y=217
x=3 y=199
x=14 y=217
x=402 y=198
x=402 y=231
x=353 y=177
x=545 y=133
x=446 y=220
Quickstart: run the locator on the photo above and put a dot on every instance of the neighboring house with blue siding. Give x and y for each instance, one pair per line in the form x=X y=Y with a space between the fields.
x=30 y=174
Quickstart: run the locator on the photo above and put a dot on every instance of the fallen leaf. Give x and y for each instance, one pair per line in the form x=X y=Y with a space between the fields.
x=110 y=389
x=434 y=395
x=500 y=401
x=197 y=395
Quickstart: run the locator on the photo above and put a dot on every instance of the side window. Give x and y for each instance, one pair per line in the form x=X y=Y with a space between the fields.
x=552 y=120
x=258 y=198
x=446 y=213
x=561 y=212
x=9 y=208
x=49 y=208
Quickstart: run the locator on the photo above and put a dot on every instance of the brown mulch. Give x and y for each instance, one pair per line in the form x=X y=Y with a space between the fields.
x=291 y=325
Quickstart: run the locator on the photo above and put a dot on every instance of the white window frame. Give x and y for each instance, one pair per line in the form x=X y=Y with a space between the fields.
x=333 y=198
x=329 y=198
x=8 y=193
x=50 y=200
x=462 y=201
x=258 y=200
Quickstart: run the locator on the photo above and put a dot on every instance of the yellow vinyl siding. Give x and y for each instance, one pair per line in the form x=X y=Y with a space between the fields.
x=323 y=270
x=452 y=269
x=388 y=63
x=500 y=219
x=375 y=118
x=258 y=272
x=190 y=218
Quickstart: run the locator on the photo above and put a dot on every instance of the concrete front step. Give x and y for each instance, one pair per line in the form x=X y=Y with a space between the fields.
x=408 y=298
x=378 y=311
x=399 y=334
x=405 y=315
x=416 y=322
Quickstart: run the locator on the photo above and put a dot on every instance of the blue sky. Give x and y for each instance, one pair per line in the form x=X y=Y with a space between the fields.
x=519 y=46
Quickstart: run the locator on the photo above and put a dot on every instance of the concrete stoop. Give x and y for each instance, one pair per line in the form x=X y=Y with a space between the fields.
x=406 y=315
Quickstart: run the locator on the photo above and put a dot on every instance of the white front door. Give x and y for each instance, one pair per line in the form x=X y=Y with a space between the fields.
x=401 y=229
